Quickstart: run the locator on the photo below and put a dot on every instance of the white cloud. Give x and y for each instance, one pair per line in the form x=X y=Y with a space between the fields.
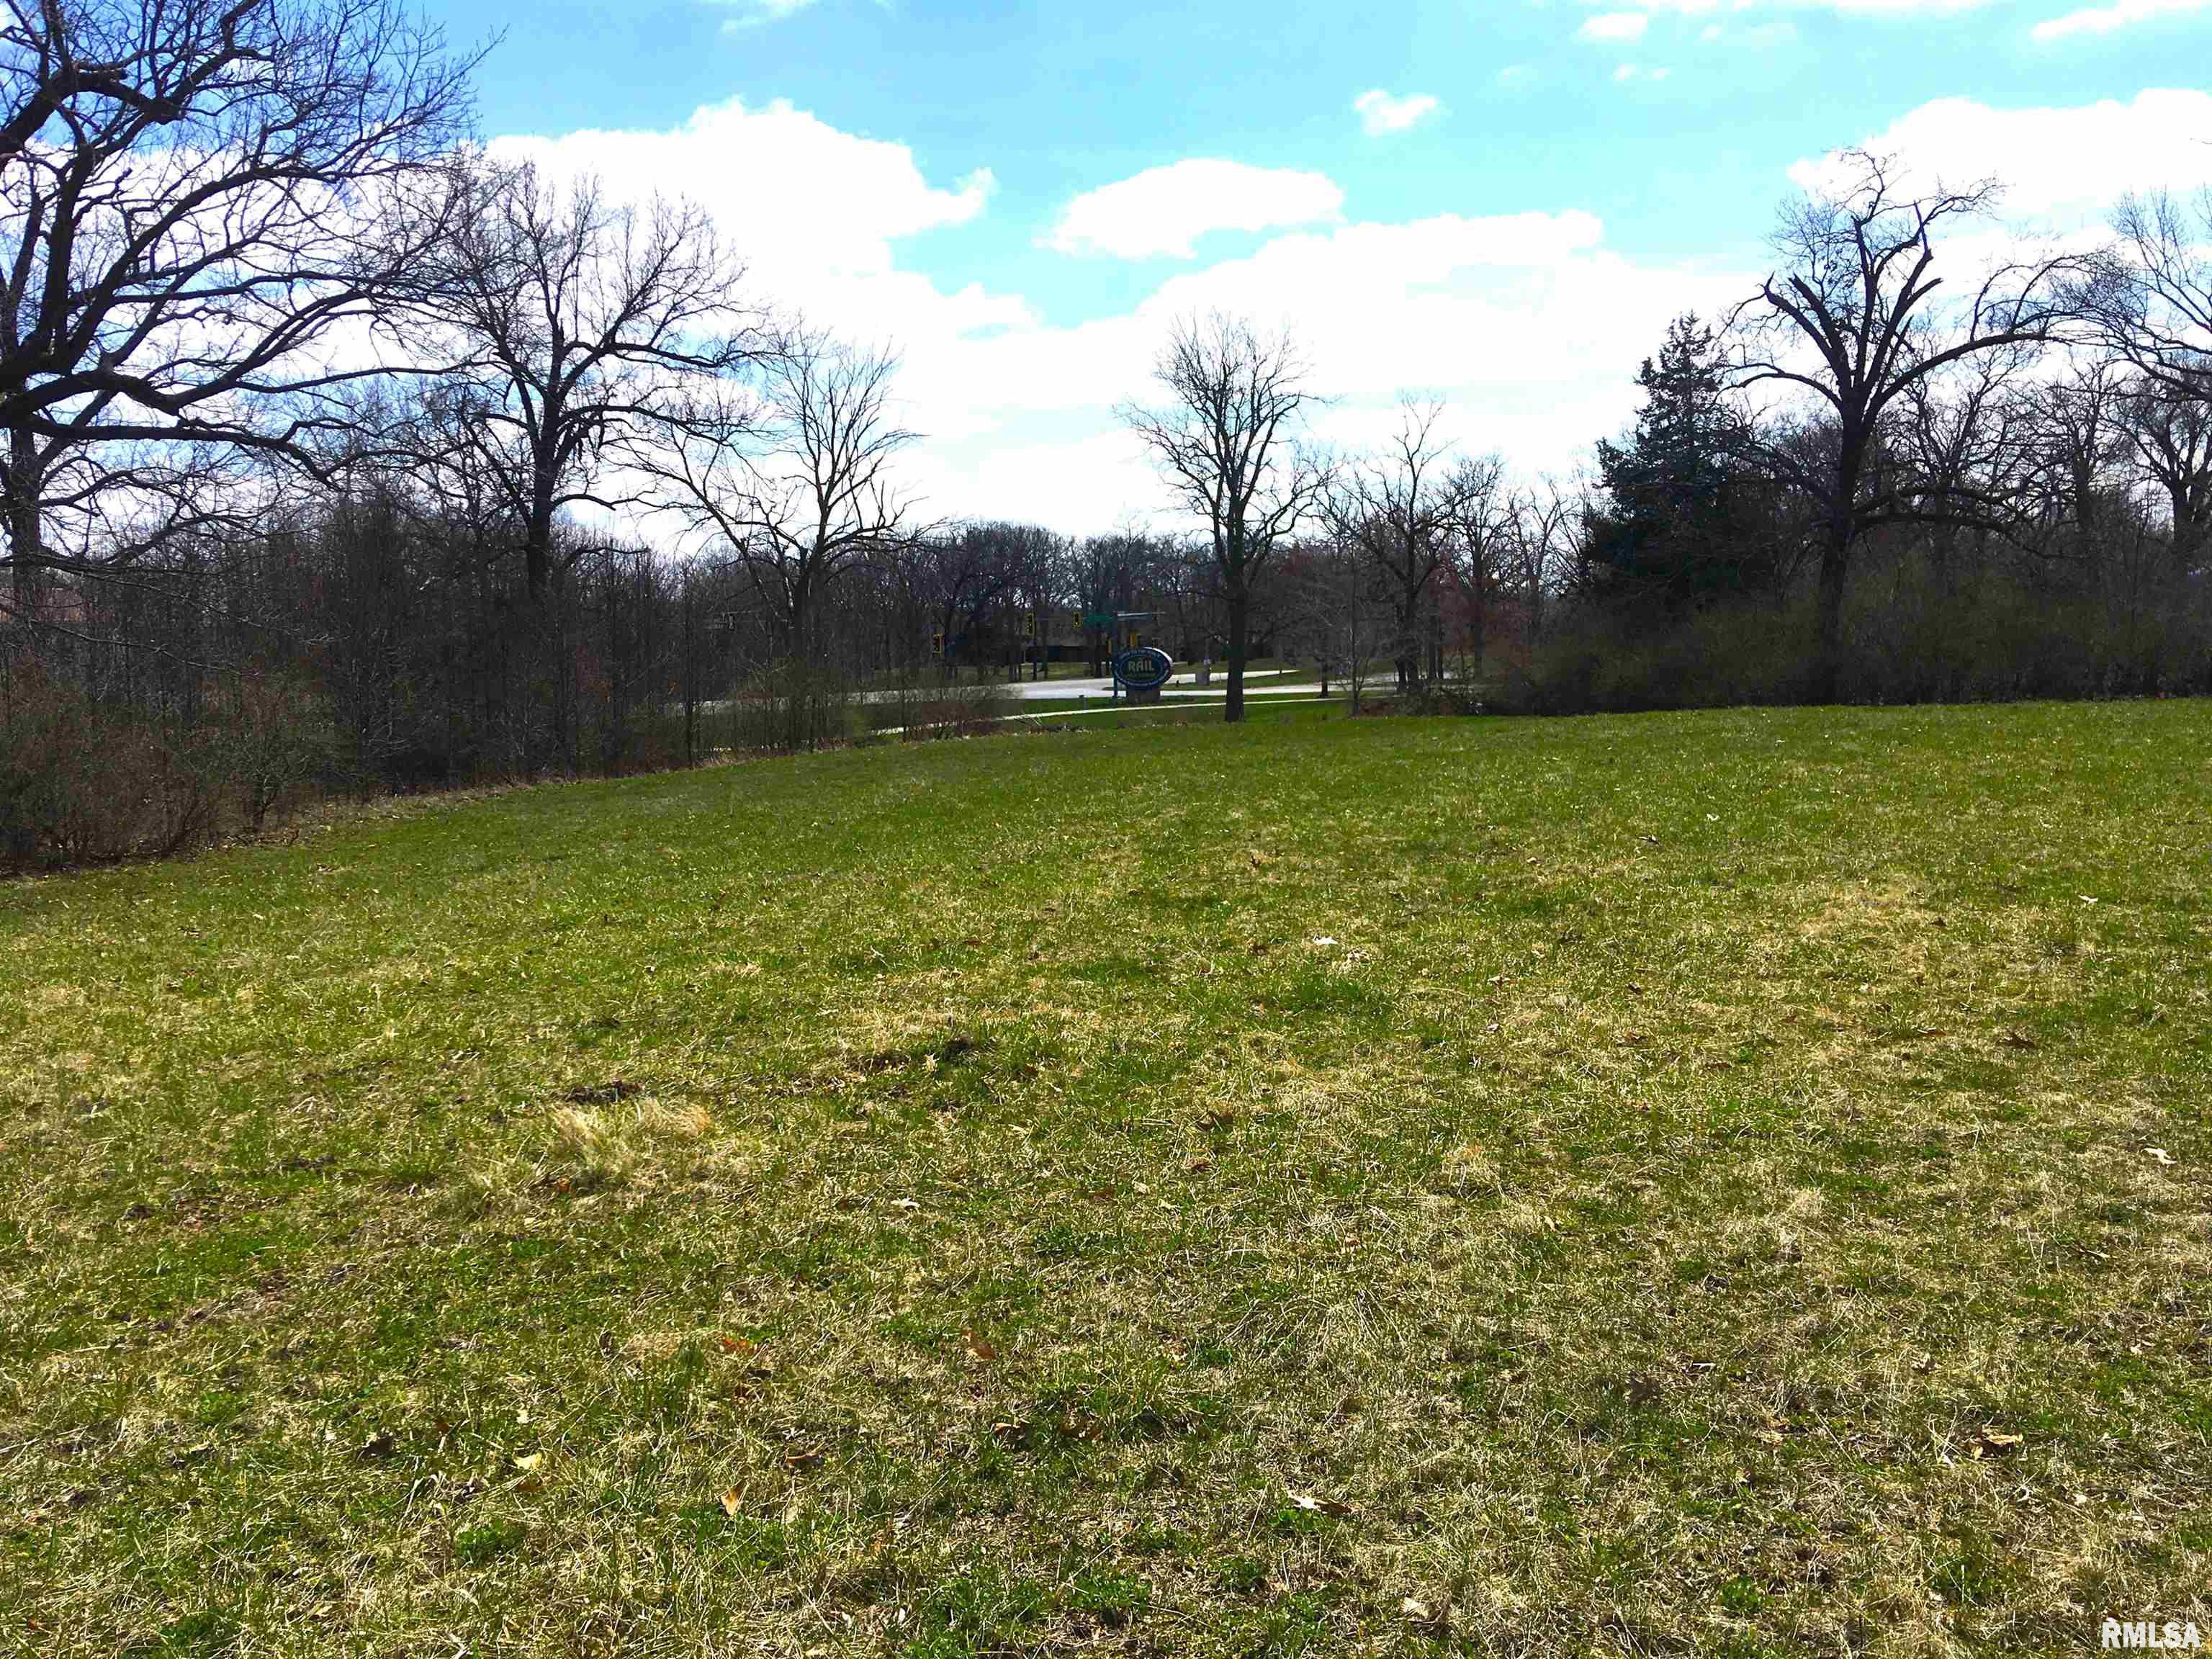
x=2102 y=20
x=1852 y=8
x=1380 y=111
x=1165 y=209
x=1528 y=324
x=2063 y=167
x=807 y=201
x=746 y=13
x=816 y=214
x=1614 y=27
x=1627 y=20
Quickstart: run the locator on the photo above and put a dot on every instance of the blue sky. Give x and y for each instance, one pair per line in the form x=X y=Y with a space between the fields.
x=1583 y=169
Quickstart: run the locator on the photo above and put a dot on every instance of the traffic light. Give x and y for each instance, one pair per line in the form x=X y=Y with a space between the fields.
x=936 y=643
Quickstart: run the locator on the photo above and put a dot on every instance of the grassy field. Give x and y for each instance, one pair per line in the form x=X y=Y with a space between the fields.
x=1204 y=709
x=1728 y=1183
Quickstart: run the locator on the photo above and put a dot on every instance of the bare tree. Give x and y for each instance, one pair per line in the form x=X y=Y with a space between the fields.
x=1970 y=435
x=584 y=323
x=1397 y=508
x=1226 y=441
x=1023 y=578
x=966 y=573
x=1339 y=608
x=1479 y=536
x=2077 y=439
x=794 y=481
x=2170 y=437
x=1542 y=525
x=187 y=192
x=1855 y=320
x=1107 y=574
x=2150 y=295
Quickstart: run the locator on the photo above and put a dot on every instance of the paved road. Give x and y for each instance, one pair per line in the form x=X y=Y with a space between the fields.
x=1184 y=684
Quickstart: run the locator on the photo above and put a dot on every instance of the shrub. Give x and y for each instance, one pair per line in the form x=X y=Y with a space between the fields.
x=790 y=705
x=81 y=781
x=87 y=780
x=921 y=712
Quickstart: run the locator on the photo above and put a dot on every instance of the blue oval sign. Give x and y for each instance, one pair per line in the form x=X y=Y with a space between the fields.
x=1143 y=668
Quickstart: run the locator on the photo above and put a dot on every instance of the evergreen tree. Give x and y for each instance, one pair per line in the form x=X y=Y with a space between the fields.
x=1686 y=515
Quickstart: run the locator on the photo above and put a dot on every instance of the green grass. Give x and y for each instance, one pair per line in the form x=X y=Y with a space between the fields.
x=1100 y=708
x=1617 y=1185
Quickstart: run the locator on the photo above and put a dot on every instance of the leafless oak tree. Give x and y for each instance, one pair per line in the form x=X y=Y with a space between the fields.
x=1397 y=508
x=2172 y=439
x=1226 y=440
x=1853 y=317
x=2150 y=295
x=793 y=479
x=586 y=322
x=187 y=266
x=1542 y=523
x=1479 y=536
x=1968 y=438
x=1337 y=607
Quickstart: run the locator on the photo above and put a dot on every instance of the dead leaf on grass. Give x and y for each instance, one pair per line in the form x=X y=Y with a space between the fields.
x=1313 y=1505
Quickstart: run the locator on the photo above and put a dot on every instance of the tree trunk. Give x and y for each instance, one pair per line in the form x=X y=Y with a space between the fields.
x=2191 y=521
x=1407 y=659
x=1828 y=645
x=1240 y=622
x=798 y=668
x=1478 y=624
x=26 y=531
x=538 y=529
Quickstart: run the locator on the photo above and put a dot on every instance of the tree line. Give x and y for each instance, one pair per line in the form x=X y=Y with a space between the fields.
x=343 y=452
x=1882 y=476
